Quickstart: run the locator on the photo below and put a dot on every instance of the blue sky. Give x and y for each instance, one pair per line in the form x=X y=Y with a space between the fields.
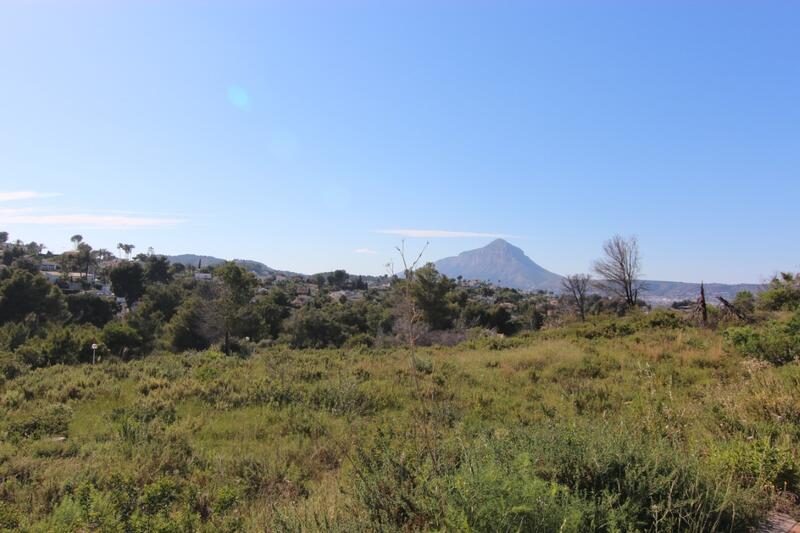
x=302 y=134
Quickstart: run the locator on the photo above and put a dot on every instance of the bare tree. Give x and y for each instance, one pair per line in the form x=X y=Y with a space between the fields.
x=410 y=316
x=619 y=270
x=576 y=287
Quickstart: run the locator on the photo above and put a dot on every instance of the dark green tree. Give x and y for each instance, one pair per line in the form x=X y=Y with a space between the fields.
x=24 y=293
x=430 y=291
x=162 y=298
x=84 y=258
x=88 y=308
x=157 y=269
x=310 y=327
x=235 y=290
x=271 y=310
x=121 y=339
x=338 y=279
x=188 y=329
x=127 y=281
x=745 y=303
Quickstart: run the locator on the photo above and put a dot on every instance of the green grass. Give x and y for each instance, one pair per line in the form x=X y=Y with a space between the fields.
x=652 y=428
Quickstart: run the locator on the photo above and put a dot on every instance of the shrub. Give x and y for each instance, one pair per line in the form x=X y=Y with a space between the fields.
x=61 y=345
x=395 y=484
x=40 y=422
x=783 y=293
x=505 y=495
x=312 y=328
x=11 y=366
x=745 y=303
x=9 y=518
x=121 y=339
x=774 y=342
x=632 y=480
x=359 y=340
x=13 y=335
x=608 y=329
x=54 y=448
x=159 y=496
x=87 y=509
x=757 y=462
x=661 y=319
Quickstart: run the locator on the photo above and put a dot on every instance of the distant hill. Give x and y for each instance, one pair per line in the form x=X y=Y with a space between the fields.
x=256 y=267
x=506 y=265
x=673 y=291
x=501 y=263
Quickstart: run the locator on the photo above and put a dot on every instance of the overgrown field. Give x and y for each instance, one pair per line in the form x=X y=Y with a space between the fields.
x=599 y=427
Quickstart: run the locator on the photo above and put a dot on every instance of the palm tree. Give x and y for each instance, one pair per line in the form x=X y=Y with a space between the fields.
x=126 y=248
x=103 y=254
x=76 y=240
x=85 y=258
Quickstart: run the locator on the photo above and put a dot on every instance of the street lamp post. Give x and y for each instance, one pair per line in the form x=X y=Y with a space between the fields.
x=94 y=353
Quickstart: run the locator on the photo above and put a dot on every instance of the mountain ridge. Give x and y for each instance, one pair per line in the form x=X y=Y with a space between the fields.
x=504 y=264
x=256 y=267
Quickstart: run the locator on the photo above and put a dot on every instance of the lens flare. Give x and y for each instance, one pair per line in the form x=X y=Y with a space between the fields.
x=238 y=97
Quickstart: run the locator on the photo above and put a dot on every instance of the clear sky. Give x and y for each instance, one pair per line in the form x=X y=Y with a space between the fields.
x=303 y=134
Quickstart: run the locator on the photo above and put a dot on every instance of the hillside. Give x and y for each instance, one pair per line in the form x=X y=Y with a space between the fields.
x=502 y=263
x=256 y=267
x=672 y=291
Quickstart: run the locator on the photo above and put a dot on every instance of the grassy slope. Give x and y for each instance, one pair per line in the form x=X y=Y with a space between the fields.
x=660 y=428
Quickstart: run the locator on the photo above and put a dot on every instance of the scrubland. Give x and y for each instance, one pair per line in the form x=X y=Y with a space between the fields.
x=641 y=423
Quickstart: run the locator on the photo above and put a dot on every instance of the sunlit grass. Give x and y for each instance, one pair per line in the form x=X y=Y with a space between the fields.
x=276 y=441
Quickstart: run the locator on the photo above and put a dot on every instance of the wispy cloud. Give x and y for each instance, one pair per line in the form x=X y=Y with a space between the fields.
x=366 y=251
x=19 y=216
x=10 y=196
x=439 y=234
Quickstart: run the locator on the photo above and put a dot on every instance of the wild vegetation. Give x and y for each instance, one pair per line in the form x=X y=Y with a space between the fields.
x=425 y=405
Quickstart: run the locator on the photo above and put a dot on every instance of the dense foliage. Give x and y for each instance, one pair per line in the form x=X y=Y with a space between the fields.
x=656 y=428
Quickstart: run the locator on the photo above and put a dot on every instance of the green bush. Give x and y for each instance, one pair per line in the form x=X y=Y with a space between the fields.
x=61 y=345
x=776 y=342
x=505 y=495
x=13 y=335
x=783 y=293
x=39 y=421
x=9 y=518
x=158 y=497
x=87 y=509
x=661 y=319
x=395 y=483
x=11 y=366
x=757 y=462
x=313 y=328
x=121 y=339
